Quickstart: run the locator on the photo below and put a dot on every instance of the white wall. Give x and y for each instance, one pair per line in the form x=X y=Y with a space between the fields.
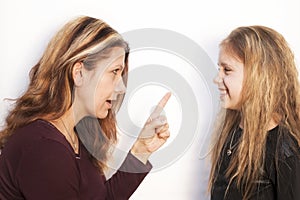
x=27 y=26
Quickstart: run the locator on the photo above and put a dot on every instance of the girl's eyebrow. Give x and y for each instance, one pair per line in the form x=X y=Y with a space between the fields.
x=223 y=64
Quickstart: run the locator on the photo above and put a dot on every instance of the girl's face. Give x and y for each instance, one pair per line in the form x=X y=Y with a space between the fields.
x=229 y=80
x=102 y=85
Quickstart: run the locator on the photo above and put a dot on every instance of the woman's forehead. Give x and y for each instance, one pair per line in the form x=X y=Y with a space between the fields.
x=115 y=57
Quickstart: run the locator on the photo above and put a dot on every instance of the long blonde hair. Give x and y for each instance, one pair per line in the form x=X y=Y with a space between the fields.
x=83 y=39
x=270 y=91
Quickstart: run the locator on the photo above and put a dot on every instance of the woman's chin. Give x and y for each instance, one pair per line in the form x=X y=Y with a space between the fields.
x=102 y=115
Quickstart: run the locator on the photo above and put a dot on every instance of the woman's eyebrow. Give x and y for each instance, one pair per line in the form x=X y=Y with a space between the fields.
x=122 y=66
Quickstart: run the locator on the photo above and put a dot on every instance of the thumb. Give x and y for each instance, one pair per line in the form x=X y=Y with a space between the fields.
x=150 y=126
x=157 y=122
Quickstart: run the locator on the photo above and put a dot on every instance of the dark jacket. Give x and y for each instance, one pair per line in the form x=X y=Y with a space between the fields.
x=280 y=178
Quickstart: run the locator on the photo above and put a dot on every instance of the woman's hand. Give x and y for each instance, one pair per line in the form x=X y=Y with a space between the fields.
x=154 y=133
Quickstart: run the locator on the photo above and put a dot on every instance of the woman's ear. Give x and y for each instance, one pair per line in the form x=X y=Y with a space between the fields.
x=77 y=74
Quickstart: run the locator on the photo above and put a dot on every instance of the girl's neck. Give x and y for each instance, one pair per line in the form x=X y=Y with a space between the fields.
x=272 y=124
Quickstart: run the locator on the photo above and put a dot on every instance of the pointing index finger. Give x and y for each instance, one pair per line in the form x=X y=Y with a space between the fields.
x=160 y=106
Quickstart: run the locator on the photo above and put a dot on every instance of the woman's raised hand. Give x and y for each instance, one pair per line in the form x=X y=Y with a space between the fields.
x=154 y=133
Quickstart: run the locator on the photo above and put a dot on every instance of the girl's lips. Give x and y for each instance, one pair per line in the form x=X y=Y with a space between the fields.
x=223 y=92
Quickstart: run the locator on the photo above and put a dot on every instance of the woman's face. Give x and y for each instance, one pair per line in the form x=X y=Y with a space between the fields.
x=102 y=85
x=229 y=79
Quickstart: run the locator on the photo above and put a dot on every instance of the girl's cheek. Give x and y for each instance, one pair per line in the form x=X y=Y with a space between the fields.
x=225 y=82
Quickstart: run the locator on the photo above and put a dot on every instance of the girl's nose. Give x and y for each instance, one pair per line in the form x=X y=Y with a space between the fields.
x=219 y=78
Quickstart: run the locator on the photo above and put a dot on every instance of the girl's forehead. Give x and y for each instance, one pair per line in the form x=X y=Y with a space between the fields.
x=227 y=56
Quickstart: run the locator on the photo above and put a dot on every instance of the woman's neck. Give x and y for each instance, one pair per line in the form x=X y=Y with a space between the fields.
x=65 y=124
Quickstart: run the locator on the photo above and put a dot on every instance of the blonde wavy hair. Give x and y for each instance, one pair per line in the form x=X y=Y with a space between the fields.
x=83 y=39
x=270 y=92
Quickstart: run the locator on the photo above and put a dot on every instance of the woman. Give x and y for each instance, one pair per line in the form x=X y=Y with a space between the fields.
x=56 y=140
x=256 y=151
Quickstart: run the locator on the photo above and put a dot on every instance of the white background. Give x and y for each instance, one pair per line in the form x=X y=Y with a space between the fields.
x=27 y=26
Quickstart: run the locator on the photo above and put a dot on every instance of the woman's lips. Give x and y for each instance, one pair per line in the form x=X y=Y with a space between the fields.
x=108 y=103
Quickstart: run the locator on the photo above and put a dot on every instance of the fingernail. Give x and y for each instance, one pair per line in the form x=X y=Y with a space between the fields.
x=163 y=121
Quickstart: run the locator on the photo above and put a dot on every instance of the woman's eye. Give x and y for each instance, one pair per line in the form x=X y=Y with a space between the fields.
x=116 y=71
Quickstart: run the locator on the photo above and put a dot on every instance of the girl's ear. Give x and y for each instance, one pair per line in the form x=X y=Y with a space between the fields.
x=77 y=74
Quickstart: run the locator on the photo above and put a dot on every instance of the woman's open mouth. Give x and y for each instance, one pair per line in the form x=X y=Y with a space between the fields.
x=108 y=103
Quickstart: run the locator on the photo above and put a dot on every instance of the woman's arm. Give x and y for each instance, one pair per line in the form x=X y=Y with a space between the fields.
x=136 y=165
x=126 y=180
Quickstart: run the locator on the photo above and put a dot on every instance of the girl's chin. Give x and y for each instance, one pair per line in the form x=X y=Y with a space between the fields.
x=229 y=106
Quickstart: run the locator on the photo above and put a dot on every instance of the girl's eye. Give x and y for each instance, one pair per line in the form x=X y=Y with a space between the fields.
x=227 y=70
x=224 y=69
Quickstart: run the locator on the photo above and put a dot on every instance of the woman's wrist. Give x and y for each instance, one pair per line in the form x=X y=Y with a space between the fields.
x=141 y=156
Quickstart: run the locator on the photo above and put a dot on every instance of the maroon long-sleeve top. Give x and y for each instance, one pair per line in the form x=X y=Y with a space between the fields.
x=38 y=163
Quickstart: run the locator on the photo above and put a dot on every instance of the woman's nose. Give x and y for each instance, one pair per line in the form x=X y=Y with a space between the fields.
x=120 y=87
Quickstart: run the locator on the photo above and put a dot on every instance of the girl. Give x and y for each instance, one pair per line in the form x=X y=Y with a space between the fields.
x=256 y=153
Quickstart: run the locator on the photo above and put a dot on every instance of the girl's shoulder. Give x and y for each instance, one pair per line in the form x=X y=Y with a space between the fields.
x=281 y=143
